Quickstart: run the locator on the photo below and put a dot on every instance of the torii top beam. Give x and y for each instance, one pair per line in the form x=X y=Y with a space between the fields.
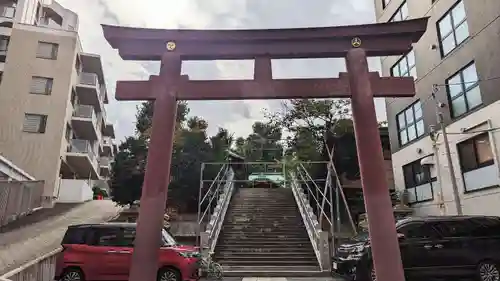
x=383 y=39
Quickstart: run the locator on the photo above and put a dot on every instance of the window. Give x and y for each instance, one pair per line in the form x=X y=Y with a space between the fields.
x=405 y=66
x=4 y=43
x=418 y=182
x=453 y=28
x=418 y=231
x=463 y=91
x=8 y=11
x=401 y=13
x=34 y=123
x=475 y=153
x=458 y=228
x=410 y=123
x=41 y=85
x=47 y=50
x=76 y=235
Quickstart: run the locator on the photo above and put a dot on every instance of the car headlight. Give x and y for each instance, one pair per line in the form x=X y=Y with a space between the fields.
x=190 y=254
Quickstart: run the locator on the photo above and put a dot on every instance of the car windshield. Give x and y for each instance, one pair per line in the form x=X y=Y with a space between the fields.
x=168 y=240
x=362 y=236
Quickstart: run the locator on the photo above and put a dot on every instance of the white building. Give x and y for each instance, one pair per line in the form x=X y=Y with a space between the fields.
x=460 y=53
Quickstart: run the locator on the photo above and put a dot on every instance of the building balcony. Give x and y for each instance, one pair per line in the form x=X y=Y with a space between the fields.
x=84 y=122
x=105 y=166
x=108 y=130
x=92 y=63
x=81 y=159
x=88 y=90
x=7 y=13
x=108 y=147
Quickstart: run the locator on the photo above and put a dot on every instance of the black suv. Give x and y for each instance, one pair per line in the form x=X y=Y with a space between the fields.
x=432 y=247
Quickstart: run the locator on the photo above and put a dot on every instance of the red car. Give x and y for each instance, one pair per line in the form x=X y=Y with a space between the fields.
x=95 y=252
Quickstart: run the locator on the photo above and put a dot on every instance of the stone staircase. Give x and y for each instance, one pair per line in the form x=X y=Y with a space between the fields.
x=263 y=235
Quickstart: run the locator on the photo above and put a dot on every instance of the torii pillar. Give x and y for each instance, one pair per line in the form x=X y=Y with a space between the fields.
x=354 y=43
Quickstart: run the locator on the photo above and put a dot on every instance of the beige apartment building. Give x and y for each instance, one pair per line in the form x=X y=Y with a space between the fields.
x=52 y=96
x=458 y=59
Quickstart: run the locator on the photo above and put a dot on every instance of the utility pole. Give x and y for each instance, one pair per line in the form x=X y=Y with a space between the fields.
x=440 y=119
x=434 y=136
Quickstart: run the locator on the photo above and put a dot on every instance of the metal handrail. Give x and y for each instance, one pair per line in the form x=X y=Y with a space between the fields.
x=209 y=193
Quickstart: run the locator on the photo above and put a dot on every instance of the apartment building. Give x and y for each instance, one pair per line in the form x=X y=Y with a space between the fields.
x=457 y=59
x=52 y=96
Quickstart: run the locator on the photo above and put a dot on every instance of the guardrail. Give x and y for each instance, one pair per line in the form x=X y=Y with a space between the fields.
x=220 y=190
x=40 y=269
x=19 y=198
x=318 y=237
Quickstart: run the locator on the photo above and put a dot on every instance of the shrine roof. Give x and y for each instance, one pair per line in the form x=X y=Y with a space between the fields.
x=392 y=38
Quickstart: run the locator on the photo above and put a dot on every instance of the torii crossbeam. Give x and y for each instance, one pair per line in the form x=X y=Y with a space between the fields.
x=354 y=43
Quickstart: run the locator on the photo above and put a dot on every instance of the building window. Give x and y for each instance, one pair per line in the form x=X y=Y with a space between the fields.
x=463 y=91
x=453 y=28
x=410 y=123
x=405 y=66
x=401 y=13
x=8 y=11
x=418 y=182
x=477 y=163
x=41 y=85
x=47 y=50
x=34 y=123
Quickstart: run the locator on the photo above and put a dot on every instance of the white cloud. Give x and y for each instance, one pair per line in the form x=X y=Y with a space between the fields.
x=237 y=116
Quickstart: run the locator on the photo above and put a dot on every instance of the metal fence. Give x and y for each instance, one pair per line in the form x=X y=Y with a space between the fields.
x=40 y=269
x=19 y=198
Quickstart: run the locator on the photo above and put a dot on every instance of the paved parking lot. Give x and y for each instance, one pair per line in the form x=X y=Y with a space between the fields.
x=20 y=243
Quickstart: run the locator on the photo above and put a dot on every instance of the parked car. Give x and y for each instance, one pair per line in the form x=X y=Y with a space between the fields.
x=432 y=247
x=103 y=252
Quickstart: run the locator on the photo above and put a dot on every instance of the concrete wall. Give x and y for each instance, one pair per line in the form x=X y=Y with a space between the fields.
x=37 y=154
x=74 y=191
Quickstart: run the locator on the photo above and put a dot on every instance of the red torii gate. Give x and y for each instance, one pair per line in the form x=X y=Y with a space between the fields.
x=354 y=43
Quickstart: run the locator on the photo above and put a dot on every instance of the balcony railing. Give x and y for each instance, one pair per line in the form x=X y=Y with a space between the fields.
x=89 y=79
x=7 y=12
x=84 y=111
x=19 y=198
x=83 y=147
x=107 y=141
x=104 y=162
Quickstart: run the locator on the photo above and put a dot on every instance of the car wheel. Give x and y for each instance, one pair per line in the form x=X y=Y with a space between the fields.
x=169 y=274
x=72 y=274
x=488 y=271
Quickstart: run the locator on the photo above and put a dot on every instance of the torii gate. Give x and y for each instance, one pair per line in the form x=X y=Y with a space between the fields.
x=354 y=43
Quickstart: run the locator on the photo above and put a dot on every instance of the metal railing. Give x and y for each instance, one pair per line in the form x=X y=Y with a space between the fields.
x=40 y=269
x=84 y=111
x=104 y=161
x=19 y=198
x=212 y=206
x=89 y=79
x=82 y=146
x=7 y=12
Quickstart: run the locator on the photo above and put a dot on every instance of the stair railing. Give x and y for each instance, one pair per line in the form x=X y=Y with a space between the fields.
x=219 y=193
x=318 y=237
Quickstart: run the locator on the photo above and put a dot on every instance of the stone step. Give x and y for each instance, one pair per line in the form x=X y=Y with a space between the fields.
x=275 y=262
x=270 y=249
x=276 y=254
x=270 y=259
x=228 y=239
x=263 y=236
x=281 y=226
x=304 y=242
x=274 y=271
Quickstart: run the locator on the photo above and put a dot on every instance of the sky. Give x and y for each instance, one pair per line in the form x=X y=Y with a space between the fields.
x=236 y=116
